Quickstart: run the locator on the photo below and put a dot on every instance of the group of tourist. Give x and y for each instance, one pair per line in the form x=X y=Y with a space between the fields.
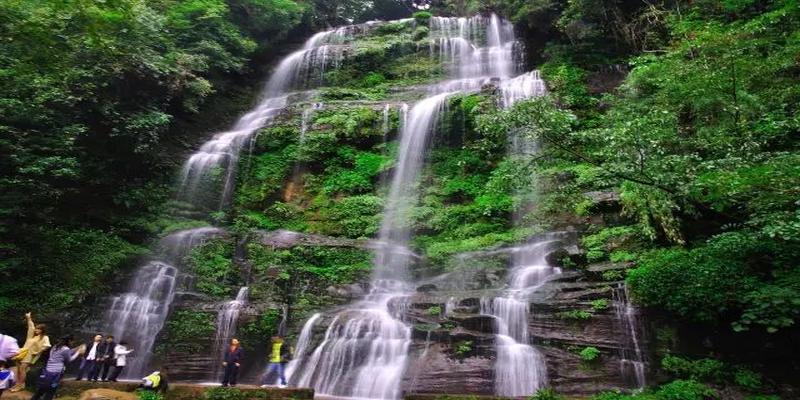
x=103 y=359
x=279 y=356
x=100 y=360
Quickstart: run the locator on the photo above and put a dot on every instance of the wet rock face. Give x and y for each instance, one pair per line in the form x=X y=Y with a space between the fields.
x=453 y=351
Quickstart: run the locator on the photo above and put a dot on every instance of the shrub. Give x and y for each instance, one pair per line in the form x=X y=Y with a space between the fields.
x=578 y=315
x=221 y=393
x=600 y=305
x=422 y=17
x=149 y=395
x=589 y=354
x=373 y=79
x=747 y=378
x=463 y=348
x=685 y=390
x=722 y=276
x=705 y=369
x=421 y=33
x=434 y=310
x=598 y=245
x=546 y=394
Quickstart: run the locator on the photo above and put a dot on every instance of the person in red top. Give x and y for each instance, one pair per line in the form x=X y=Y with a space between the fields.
x=232 y=362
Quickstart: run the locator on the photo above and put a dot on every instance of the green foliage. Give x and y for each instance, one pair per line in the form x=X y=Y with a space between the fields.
x=224 y=393
x=434 y=310
x=613 y=275
x=422 y=17
x=600 y=305
x=65 y=268
x=747 y=378
x=149 y=395
x=675 y=390
x=462 y=349
x=96 y=98
x=720 y=277
x=576 y=315
x=546 y=394
x=705 y=369
x=711 y=370
x=304 y=268
x=685 y=390
x=600 y=244
x=568 y=83
x=187 y=331
x=213 y=265
x=589 y=354
x=261 y=328
x=356 y=216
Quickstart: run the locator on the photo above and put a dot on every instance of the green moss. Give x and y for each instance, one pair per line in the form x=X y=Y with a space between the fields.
x=212 y=264
x=576 y=315
x=434 y=311
x=187 y=331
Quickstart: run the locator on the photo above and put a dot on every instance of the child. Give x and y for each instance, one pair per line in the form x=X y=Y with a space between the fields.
x=6 y=377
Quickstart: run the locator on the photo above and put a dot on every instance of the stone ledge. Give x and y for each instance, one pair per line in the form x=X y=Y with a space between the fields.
x=188 y=391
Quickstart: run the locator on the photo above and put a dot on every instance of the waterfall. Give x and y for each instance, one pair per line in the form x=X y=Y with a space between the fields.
x=520 y=369
x=364 y=351
x=227 y=319
x=302 y=346
x=138 y=315
x=208 y=177
x=632 y=358
x=303 y=68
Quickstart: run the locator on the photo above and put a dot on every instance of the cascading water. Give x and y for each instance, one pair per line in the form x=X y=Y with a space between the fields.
x=632 y=358
x=139 y=314
x=364 y=352
x=227 y=319
x=365 y=349
x=520 y=369
x=303 y=344
x=300 y=69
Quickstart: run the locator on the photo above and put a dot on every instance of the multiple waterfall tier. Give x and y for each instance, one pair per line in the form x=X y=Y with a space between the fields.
x=365 y=349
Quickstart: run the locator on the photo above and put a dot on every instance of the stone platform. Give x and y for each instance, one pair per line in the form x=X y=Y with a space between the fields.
x=84 y=390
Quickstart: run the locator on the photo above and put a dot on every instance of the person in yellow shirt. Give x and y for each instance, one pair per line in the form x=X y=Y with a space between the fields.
x=279 y=355
x=36 y=343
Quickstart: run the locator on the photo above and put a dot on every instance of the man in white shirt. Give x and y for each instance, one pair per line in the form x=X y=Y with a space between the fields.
x=90 y=363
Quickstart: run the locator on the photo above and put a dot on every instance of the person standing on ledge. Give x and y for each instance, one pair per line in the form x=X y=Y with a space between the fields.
x=50 y=378
x=120 y=358
x=105 y=357
x=232 y=362
x=36 y=342
x=89 y=365
x=279 y=356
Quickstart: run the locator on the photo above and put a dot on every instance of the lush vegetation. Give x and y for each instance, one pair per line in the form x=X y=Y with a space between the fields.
x=683 y=113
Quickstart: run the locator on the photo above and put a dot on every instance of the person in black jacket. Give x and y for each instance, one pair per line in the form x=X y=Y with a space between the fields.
x=89 y=364
x=106 y=357
x=232 y=361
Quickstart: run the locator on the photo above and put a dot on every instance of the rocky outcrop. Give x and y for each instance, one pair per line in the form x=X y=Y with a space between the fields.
x=283 y=239
x=454 y=352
